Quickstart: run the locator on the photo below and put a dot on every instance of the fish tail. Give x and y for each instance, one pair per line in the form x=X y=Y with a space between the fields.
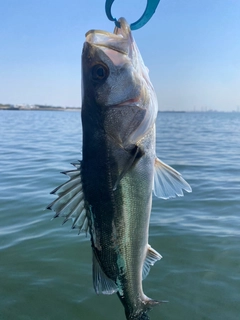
x=142 y=314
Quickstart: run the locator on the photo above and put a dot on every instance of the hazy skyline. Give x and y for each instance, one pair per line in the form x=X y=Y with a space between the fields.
x=191 y=48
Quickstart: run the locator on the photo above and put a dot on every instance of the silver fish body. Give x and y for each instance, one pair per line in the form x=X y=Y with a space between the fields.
x=110 y=193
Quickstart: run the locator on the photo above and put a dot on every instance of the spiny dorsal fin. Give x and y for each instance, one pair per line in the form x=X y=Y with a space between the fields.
x=168 y=183
x=70 y=202
x=101 y=283
x=151 y=257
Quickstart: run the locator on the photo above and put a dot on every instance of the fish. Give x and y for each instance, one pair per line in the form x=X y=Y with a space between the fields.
x=109 y=193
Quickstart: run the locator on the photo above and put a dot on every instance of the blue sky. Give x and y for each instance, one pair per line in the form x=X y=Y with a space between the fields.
x=191 y=47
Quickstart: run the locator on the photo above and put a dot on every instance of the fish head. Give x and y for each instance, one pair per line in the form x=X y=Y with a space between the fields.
x=115 y=79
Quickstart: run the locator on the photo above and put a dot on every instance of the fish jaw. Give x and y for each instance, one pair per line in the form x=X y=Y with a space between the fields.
x=121 y=84
x=127 y=81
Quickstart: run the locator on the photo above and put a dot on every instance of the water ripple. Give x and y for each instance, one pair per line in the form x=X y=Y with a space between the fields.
x=45 y=269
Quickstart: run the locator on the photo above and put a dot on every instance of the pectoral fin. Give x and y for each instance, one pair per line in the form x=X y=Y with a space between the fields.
x=70 y=202
x=128 y=157
x=168 y=183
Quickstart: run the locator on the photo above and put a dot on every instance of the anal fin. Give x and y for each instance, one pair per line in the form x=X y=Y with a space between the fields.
x=152 y=256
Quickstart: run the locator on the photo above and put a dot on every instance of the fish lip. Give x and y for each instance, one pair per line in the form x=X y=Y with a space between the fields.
x=99 y=31
x=124 y=31
x=119 y=40
x=133 y=102
x=110 y=47
x=93 y=37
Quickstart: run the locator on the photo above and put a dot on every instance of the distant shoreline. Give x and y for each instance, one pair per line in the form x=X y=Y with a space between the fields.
x=49 y=108
x=36 y=108
x=78 y=109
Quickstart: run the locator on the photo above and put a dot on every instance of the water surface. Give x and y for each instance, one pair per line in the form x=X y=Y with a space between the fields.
x=45 y=268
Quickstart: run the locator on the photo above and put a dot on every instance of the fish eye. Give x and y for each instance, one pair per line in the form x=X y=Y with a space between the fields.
x=99 y=72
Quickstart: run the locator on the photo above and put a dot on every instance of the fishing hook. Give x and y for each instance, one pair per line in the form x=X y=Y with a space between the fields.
x=147 y=14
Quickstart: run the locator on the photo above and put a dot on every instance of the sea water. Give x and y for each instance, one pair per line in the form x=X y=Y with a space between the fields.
x=45 y=268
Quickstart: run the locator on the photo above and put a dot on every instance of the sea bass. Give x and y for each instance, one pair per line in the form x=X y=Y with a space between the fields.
x=110 y=192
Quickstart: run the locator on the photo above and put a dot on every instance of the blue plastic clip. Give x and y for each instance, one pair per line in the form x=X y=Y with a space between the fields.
x=147 y=15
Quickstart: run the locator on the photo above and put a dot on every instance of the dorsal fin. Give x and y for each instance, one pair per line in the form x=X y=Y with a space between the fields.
x=168 y=183
x=70 y=202
x=101 y=283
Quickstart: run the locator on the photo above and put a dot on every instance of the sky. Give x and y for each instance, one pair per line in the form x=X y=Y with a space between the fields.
x=191 y=47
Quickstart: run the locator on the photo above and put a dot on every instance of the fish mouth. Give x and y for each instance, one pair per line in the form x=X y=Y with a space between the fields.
x=120 y=40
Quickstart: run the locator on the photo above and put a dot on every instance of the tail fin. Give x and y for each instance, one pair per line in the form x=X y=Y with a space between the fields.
x=141 y=314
